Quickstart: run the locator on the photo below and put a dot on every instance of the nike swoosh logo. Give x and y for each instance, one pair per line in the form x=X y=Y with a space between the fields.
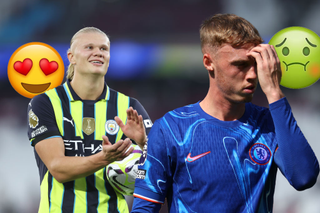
x=191 y=159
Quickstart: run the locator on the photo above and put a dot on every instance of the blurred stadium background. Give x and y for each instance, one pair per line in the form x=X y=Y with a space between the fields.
x=155 y=57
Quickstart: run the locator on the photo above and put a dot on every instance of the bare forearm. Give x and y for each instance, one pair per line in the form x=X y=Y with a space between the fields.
x=66 y=168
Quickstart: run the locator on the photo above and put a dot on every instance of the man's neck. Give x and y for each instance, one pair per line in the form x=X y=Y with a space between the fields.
x=221 y=108
x=88 y=87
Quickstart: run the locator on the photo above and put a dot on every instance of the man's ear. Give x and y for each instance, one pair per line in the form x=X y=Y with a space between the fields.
x=208 y=63
x=70 y=57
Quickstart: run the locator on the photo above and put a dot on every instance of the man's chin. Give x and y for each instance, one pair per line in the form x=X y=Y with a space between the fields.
x=246 y=98
x=241 y=100
x=99 y=72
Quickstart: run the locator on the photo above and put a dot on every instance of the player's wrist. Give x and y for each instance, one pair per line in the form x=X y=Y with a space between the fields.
x=100 y=159
x=143 y=143
x=274 y=96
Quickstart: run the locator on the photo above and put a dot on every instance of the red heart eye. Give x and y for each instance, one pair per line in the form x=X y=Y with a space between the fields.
x=23 y=67
x=48 y=67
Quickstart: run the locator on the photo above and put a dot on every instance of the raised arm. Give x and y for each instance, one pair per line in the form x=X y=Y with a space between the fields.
x=294 y=155
x=268 y=70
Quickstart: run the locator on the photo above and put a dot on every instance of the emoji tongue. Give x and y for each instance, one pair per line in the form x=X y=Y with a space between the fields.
x=35 y=88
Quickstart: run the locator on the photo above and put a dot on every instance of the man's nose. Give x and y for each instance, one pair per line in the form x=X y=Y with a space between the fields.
x=252 y=72
x=98 y=52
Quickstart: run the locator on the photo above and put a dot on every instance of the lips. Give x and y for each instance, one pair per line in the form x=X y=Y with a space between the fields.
x=96 y=62
x=249 y=89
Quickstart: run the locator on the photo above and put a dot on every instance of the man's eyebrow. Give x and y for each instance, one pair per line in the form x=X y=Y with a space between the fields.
x=279 y=45
x=312 y=45
x=93 y=44
x=240 y=61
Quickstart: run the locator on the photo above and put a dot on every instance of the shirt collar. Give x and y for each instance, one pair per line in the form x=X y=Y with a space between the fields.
x=72 y=95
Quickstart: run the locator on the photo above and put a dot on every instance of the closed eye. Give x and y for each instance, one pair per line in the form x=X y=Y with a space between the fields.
x=241 y=64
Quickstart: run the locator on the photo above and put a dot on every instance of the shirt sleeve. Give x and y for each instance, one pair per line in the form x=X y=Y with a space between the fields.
x=41 y=120
x=294 y=156
x=144 y=206
x=154 y=176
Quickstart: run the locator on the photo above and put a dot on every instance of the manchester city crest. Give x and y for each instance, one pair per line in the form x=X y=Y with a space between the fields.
x=112 y=127
x=260 y=154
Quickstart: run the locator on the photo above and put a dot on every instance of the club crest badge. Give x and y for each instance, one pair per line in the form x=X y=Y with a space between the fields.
x=88 y=125
x=33 y=119
x=260 y=154
x=112 y=127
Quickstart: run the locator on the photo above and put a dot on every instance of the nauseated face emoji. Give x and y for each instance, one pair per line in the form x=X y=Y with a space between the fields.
x=35 y=68
x=298 y=49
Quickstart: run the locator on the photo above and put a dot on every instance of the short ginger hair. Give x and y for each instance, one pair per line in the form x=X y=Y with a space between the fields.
x=228 y=29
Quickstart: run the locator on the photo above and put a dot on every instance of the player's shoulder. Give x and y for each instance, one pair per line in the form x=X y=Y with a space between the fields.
x=260 y=114
x=38 y=107
x=190 y=110
x=182 y=114
x=39 y=99
x=257 y=109
x=42 y=101
x=114 y=94
x=112 y=91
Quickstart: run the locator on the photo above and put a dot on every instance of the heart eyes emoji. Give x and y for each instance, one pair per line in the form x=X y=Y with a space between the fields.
x=25 y=66
x=48 y=67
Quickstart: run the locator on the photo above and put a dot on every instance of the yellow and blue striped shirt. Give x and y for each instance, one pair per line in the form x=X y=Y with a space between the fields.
x=81 y=123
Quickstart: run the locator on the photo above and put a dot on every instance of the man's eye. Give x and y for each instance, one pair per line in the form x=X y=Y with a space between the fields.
x=242 y=65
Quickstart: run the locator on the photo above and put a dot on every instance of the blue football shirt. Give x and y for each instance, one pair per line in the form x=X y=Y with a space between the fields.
x=202 y=164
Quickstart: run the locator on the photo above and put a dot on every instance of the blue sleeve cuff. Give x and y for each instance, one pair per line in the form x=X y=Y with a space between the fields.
x=148 y=195
x=279 y=103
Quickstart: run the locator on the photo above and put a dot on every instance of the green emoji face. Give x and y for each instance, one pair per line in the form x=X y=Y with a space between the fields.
x=298 y=49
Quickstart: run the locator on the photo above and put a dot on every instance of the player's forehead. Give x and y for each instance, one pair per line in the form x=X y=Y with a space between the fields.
x=93 y=38
x=229 y=53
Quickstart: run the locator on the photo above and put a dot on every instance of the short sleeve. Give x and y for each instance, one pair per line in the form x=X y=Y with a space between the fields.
x=41 y=119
